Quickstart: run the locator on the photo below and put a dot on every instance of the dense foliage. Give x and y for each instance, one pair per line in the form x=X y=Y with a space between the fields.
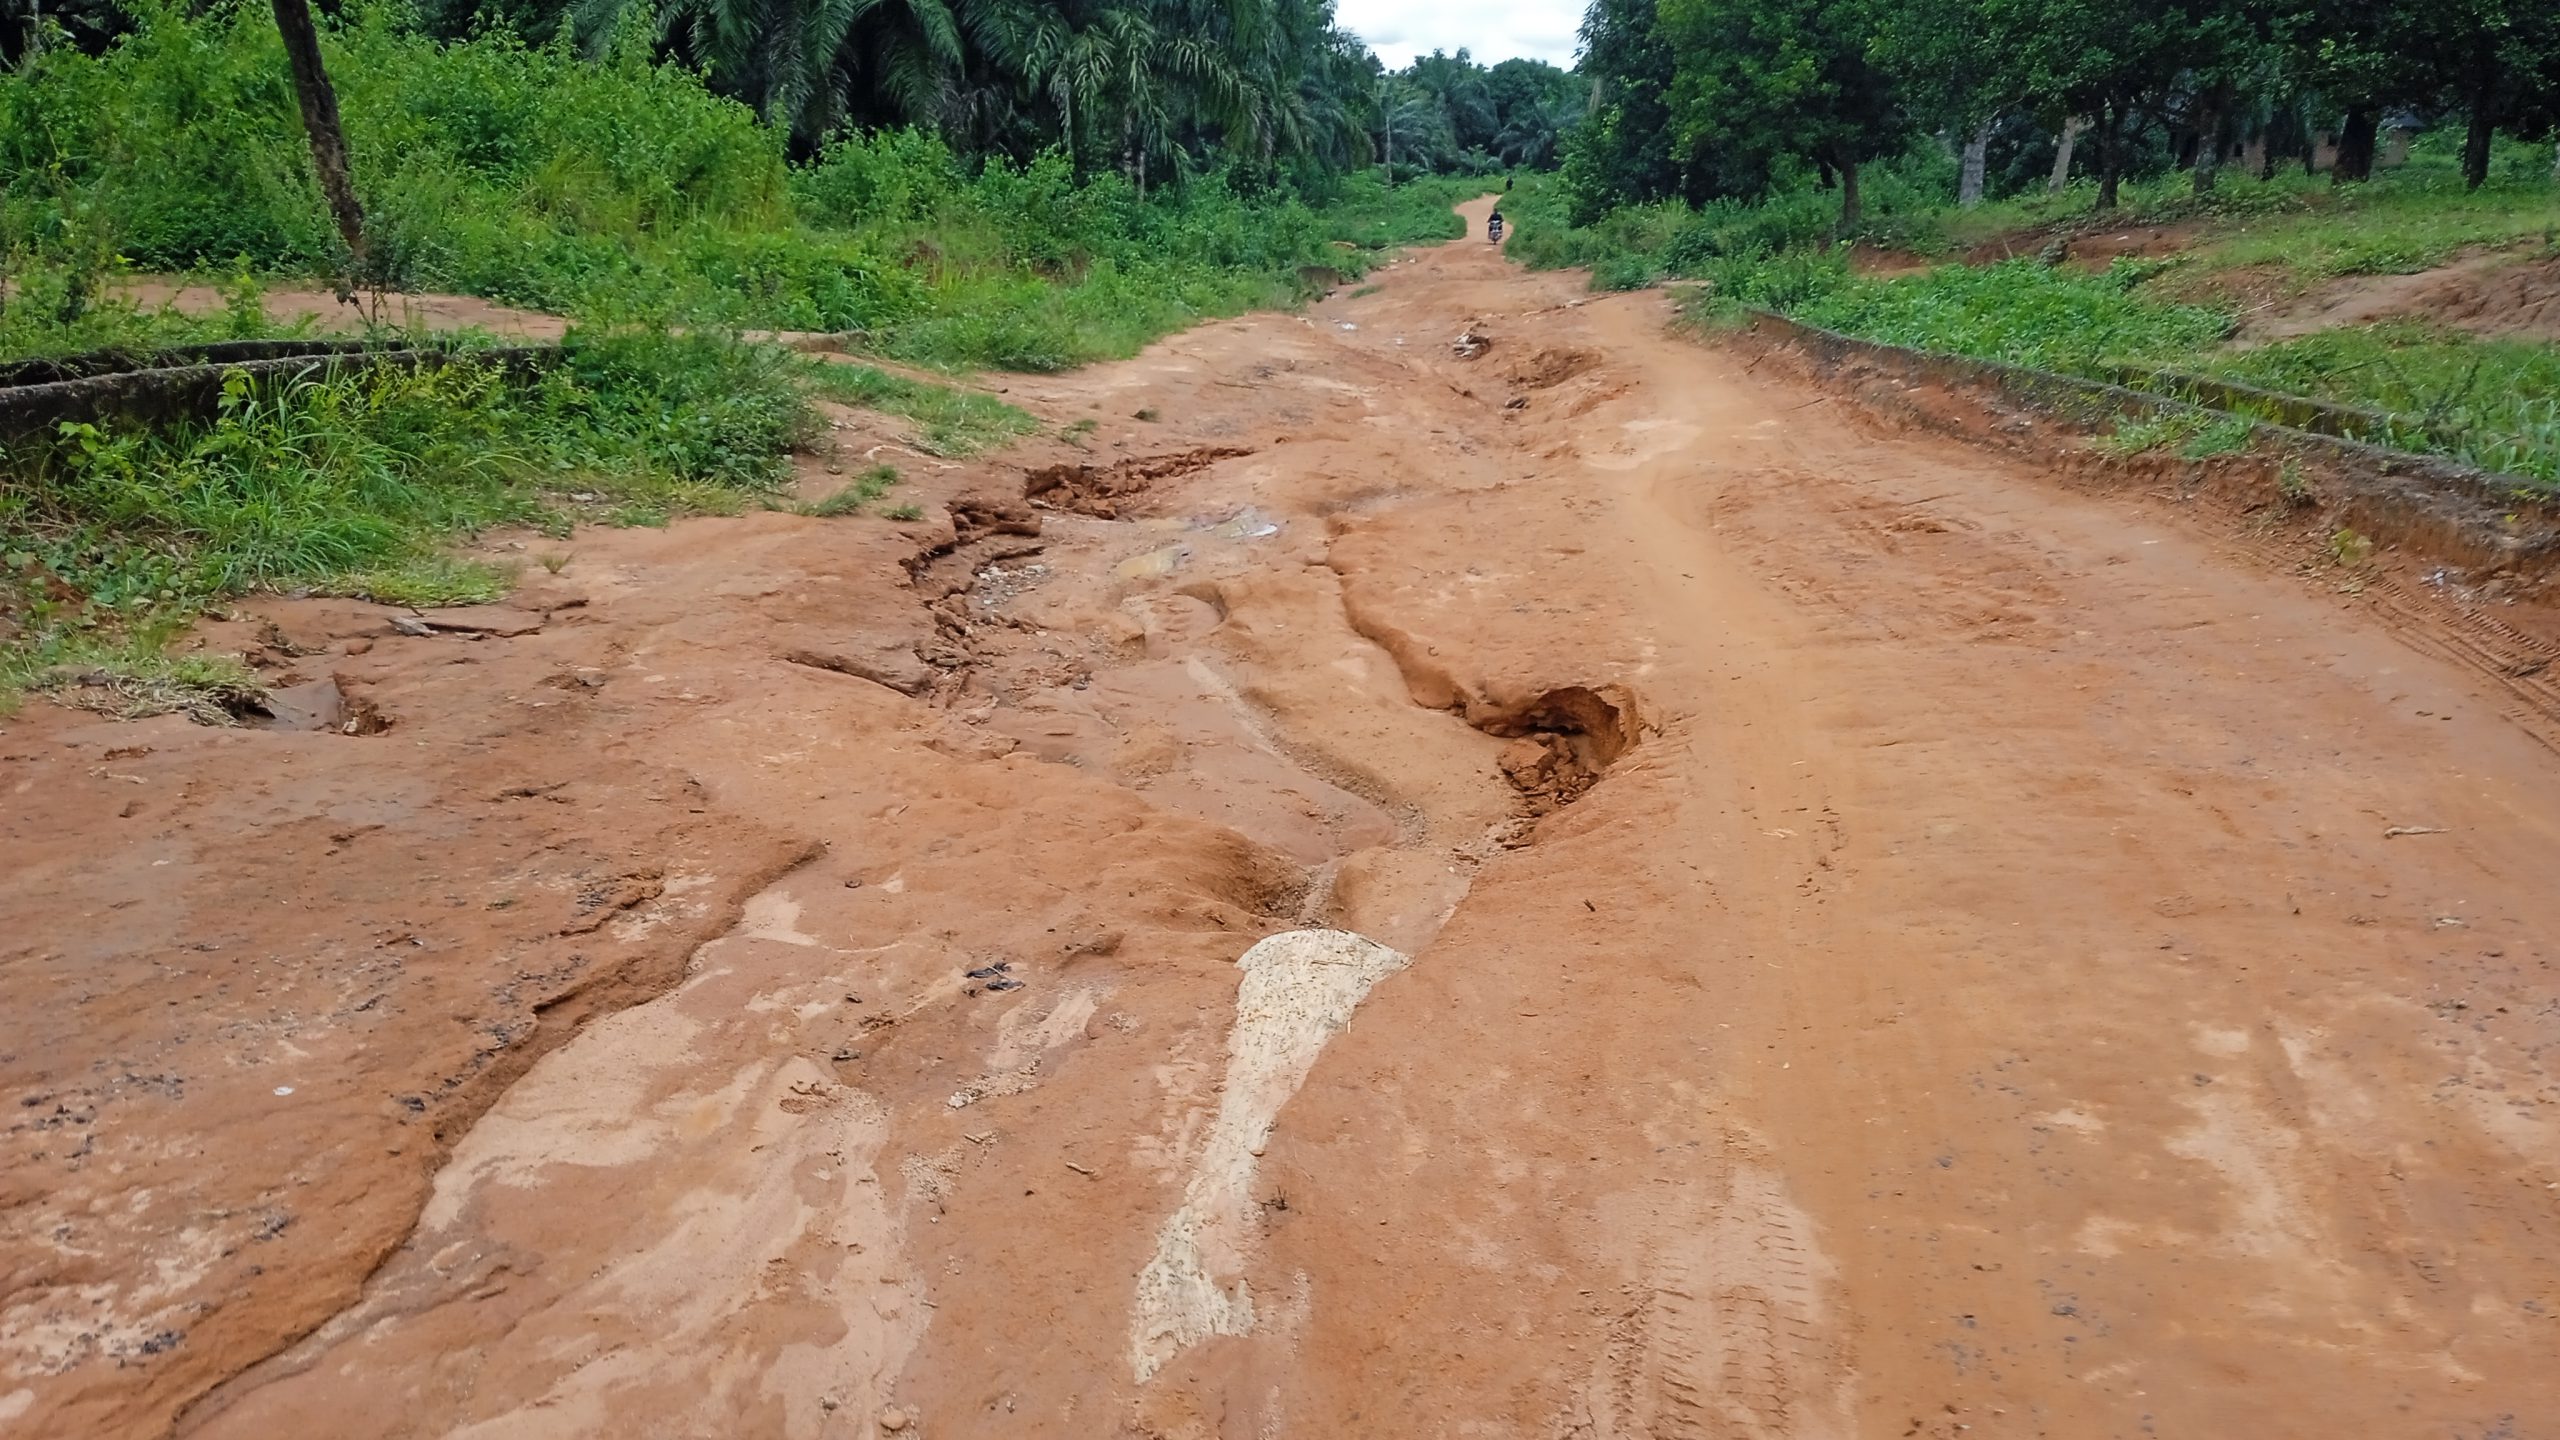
x=1447 y=114
x=1701 y=99
x=621 y=188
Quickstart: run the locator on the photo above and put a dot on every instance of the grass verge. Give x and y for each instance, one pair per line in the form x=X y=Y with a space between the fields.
x=113 y=535
x=950 y=421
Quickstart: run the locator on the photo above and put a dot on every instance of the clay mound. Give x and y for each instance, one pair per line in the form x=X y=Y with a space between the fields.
x=1552 y=367
x=2520 y=299
x=2484 y=295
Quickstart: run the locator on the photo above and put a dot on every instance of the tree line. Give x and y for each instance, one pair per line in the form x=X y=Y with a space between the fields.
x=1702 y=99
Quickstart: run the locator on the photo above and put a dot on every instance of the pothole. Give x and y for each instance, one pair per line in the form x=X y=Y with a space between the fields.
x=1562 y=742
x=1102 y=491
x=1551 y=367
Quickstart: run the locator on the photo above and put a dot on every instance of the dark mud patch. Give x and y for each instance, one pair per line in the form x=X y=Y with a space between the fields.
x=1105 y=491
x=325 y=706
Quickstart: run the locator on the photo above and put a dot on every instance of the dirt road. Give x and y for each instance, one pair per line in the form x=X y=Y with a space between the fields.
x=1750 y=925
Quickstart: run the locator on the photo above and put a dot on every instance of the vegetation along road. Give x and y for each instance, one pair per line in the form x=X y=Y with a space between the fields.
x=921 y=721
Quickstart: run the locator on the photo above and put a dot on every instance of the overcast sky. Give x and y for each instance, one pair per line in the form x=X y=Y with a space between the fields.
x=1491 y=30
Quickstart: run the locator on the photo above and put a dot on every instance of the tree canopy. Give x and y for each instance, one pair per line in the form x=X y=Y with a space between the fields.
x=1728 y=98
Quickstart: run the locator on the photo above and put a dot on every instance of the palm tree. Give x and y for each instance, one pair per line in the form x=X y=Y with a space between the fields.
x=800 y=61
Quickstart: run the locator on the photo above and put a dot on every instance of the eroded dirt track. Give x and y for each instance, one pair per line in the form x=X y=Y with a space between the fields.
x=1860 y=940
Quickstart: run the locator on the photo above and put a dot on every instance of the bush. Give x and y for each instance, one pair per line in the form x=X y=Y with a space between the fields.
x=1623 y=272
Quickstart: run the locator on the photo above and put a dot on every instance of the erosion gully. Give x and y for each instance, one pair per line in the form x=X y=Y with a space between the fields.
x=1574 y=888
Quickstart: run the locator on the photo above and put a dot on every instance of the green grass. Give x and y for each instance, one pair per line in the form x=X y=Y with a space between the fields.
x=423 y=581
x=864 y=488
x=2491 y=403
x=2494 y=404
x=2192 y=435
x=132 y=679
x=2020 y=312
x=2405 y=219
x=356 y=484
x=55 y=307
x=1366 y=214
x=950 y=421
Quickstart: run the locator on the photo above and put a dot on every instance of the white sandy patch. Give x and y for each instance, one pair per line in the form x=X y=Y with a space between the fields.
x=1298 y=991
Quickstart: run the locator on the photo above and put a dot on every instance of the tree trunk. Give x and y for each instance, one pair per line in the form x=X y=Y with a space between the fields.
x=2208 y=148
x=320 y=117
x=1075 y=152
x=1387 y=115
x=1852 y=208
x=2484 y=116
x=2071 y=129
x=2110 y=153
x=2355 y=148
x=1977 y=158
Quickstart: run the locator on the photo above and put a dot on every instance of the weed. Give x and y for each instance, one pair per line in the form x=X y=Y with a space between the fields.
x=1369 y=215
x=2292 y=484
x=1366 y=291
x=2020 y=312
x=2490 y=403
x=425 y=581
x=136 y=682
x=2161 y=431
x=904 y=512
x=1079 y=432
x=2346 y=547
x=1624 y=272
x=2222 y=435
x=552 y=561
x=954 y=422
x=870 y=485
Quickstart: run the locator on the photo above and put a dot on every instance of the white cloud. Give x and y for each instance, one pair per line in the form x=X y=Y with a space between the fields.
x=1489 y=30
